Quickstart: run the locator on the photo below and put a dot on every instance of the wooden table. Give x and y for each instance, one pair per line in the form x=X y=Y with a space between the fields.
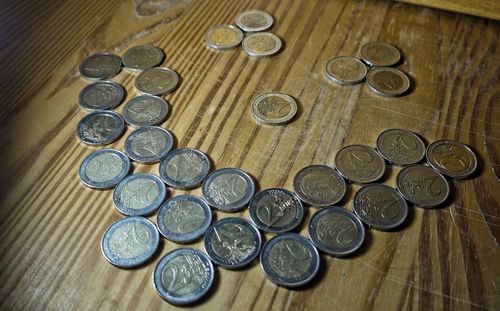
x=51 y=224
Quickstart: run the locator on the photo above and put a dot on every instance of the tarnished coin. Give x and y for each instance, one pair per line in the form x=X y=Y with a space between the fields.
x=400 y=147
x=184 y=168
x=100 y=127
x=142 y=57
x=345 y=70
x=183 y=276
x=232 y=242
x=223 y=37
x=289 y=260
x=228 y=189
x=101 y=95
x=276 y=210
x=130 y=242
x=148 y=144
x=254 y=20
x=274 y=108
x=380 y=206
x=104 y=168
x=336 y=231
x=359 y=164
x=139 y=194
x=388 y=82
x=101 y=66
x=145 y=110
x=422 y=185
x=381 y=54
x=261 y=44
x=157 y=81
x=451 y=158
x=319 y=185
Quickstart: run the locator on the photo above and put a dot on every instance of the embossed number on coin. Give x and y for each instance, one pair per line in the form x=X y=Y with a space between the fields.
x=100 y=66
x=100 y=128
x=422 y=185
x=101 y=95
x=142 y=57
x=157 y=81
x=223 y=37
x=228 y=189
x=148 y=144
x=254 y=20
x=184 y=168
x=319 y=185
x=274 y=108
x=451 y=158
x=359 y=164
x=261 y=44
x=104 y=168
x=400 y=147
x=145 y=110
x=388 y=82
x=345 y=70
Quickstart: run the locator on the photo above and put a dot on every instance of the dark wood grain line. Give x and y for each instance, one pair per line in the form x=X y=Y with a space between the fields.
x=408 y=294
x=425 y=263
x=444 y=253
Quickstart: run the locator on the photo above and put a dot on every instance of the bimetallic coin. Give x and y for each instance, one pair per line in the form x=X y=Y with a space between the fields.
x=232 y=242
x=451 y=158
x=380 y=206
x=359 y=164
x=101 y=95
x=388 y=82
x=254 y=20
x=139 y=194
x=276 y=210
x=261 y=44
x=422 y=186
x=336 y=231
x=104 y=168
x=130 y=242
x=157 y=81
x=289 y=260
x=223 y=37
x=101 y=66
x=274 y=108
x=228 y=189
x=400 y=147
x=100 y=127
x=148 y=144
x=142 y=57
x=380 y=54
x=319 y=185
x=345 y=70
x=145 y=110
x=184 y=218
x=183 y=276
x=184 y=168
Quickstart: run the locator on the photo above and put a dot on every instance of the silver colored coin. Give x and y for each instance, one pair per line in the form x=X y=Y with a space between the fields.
x=100 y=128
x=142 y=57
x=184 y=218
x=183 y=276
x=422 y=185
x=261 y=44
x=104 y=168
x=157 y=81
x=274 y=108
x=130 y=242
x=380 y=54
x=289 y=260
x=149 y=144
x=100 y=66
x=101 y=95
x=232 y=242
x=387 y=82
x=360 y=164
x=228 y=189
x=145 y=110
x=451 y=158
x=254 y=21
x=184 y=168
x=319 y=185
x=345 y=70
x=400 y=147
x=139 y=194
x=223 y=37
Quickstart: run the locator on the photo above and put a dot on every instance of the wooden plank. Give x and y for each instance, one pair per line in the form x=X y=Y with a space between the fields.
x=483 y=8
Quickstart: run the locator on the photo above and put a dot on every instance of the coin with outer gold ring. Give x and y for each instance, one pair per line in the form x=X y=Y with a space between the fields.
x=387 y=82
x=261 y=44
x=142 y=57
x=381 y=54
x=274 y=108
x=451 y=158
x=223 y=37
x=100 y=66
x=157 y=81
x=360 y=164
x=319 y=185
x=422 y=185
x=345 y=70
x=400 y=147
x=254 y=20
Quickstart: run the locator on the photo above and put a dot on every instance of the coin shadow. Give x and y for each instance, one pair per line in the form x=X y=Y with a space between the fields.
x=412 y=85
x=348 y=194
x=299 y=112
x=365 y=247
x=256 y=184
x=410 y=218
x=479 y=168
x=451 y=195
x=387 y=173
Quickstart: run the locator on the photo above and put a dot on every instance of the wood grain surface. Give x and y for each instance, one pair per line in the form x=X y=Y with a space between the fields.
x=51 y=224
x=484 y=8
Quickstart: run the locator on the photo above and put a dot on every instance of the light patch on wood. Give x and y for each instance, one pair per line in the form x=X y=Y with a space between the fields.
x=146 y=8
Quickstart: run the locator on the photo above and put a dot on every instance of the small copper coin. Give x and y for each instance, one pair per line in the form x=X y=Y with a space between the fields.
x=400 y=147
x=387 y=82
x=359 y=164
x=380 y=54
x=451 y=158
x=157 y=81
x=261 y=44
x=422 y=185
x=254 y=20
x=142 y=57
x=274 y=108
x=101 y=66
x=345 y=70
x=319 y=185
x=223 y=37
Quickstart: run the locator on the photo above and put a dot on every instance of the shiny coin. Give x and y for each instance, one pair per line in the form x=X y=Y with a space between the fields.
x=184 y=218
x=100 y=127
x=254 y=20
x=336 y=231
x=380 y=54
x=157 y=81
x=319 y=185
x=130 y=242
x=228 y=189
x=274 y=108
x=101 y=95
x=232 y=242
x=388 y=82
x=104 y=168
x=184 y=168
x=148 y=144
x=142 y=57
x=139 y=194
x=345 y=70
x=359 y=164
x=289 y=260
x=183 y=276
x=101 y=66
x=261 y=44
x=451 y=158
x=380 y=206
x=400 y=147
x=223 y=37
x=422 y=185
x=276 y=210
x=145 y=110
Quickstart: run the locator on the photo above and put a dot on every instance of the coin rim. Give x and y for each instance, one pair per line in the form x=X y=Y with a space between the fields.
x=398 y=163
x=160 y=55
x=109 y=139
x=230 y=46
x=111 y=183
x=385 y=93
x=283 y=120
x=357 y=181
x=185 y=184
x=246 y=28
x=370 y=63
x=164 y=90
x=276 y=50
x=151 y=159
x=100 y=77
x=344 y=82
x=159 y=119
x=433 y=164
x=120 y=91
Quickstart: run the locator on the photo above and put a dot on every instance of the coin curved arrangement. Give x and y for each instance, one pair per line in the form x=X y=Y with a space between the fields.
x=101 y=95
x=148 y=144
x=100 y=127
x=380 y=54
x=184 y=168
x=274 y=108
x=100 y=66
x=319 y=185
x=261 y=44
x=142 y=57
x=359 y=164
x=104 y=168
x=157 y=81
x=223 y=37
x=345 y=70
x=388 y=82
x=451 y=158
x=400 y=147
x=145 y=110
x=254 y=21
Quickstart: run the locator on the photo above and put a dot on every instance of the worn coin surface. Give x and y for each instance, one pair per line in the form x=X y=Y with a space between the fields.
x=380 y=54
x=130 y=242
x=336 y=231
x=157 y=81
x=148 y=144
x=274 y=108
x=100 y=127
x=101 y=66
x=254 y=20
x=101 y=95
x=104 y=168
x=289 y=260
x=228 y=189
x=184 y=218
x=451 y=158
x=359 y=164
x=319 y=185
x=345 y=70
x=400 y=147
x=232 y=242
x=142 y=57
x=183 y=276
x=223 y=37
x=261 y=44
x=388 y=82
x=422 y=185
x=184 y=168
x=145 y=110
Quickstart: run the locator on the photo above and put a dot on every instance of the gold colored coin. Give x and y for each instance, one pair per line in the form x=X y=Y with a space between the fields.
x=345 y=70
x=451 y=158
x=261 y=44
x=157 y=81
x=381 y=54
x=388 y=82
x=223 y=37
x=254 y=20
x=274 y=108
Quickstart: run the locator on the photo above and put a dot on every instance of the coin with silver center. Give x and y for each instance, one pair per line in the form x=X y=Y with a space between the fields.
x=319 y=185
x=254 y=20
x=261 y=44
x=100 y=127
x=451 y=158
x=184 y=168
x=359 y=164
x=274 y=108
x=104 y=168
x=223 y=37
x=387 y=82
x=101 y=66
x=345 y=70
x=400 y=147
x=381 y=54
x=145 y=110
x=101 y=95
x=148 y=144
x=157 y=81
x=422 y=185
x=142 y=57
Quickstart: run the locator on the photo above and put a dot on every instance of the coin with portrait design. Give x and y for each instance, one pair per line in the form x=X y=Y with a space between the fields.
x=100 y=127
x=101 y=95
